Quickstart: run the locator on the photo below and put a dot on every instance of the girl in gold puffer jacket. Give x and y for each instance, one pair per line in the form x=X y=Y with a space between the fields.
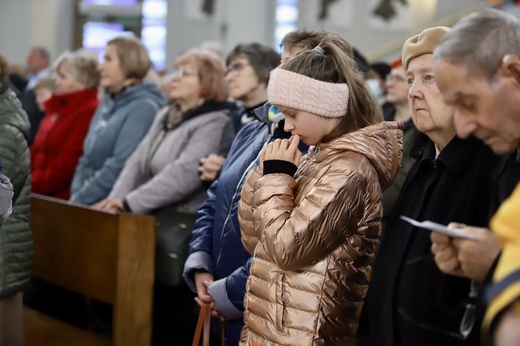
x=312 y=224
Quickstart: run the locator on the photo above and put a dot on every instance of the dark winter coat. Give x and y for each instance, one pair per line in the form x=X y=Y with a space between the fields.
x=407 y=289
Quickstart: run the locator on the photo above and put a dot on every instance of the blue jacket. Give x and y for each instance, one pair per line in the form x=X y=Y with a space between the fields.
x=115 y=131
x=216 y=246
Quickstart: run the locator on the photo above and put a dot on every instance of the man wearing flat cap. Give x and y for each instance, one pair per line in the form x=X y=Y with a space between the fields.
x=410 y=301
x=478 y=67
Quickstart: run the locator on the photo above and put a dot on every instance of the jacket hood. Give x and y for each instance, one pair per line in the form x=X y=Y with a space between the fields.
x=381 y=144
x=12 y=112
x=261 y=112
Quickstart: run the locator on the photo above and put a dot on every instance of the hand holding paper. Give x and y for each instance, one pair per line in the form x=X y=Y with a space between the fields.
x=468 y=258
x=437 y=227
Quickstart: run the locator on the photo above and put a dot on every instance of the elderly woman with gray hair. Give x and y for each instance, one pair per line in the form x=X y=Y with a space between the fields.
x=59 y=142
x=161 y=176
x=409 y=300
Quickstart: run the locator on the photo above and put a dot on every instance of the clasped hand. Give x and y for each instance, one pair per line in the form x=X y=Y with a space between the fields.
x=282 y=149
x=110 y=204
x=202 y=281
x=210 y=166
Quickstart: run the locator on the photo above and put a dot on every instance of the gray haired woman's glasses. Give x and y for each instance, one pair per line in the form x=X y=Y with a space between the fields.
x=181 y=72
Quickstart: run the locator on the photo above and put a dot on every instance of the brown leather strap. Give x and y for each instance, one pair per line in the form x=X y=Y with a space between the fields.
x=207 y=325
x=203 y=321
x=223 y=326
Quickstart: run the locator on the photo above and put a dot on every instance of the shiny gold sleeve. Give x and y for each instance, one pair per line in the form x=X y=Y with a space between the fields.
x=245 y=211
x=296 y=235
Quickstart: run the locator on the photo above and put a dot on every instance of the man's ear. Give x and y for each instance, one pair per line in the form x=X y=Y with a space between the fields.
x=511 y=67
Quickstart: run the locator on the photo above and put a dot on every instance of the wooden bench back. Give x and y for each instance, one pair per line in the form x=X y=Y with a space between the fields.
x=105 y=256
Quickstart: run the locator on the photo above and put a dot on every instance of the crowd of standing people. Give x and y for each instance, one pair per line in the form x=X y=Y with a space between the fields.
x=298 y=176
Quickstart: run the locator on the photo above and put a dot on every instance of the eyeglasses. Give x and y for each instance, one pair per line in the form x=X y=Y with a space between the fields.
x=468 y=318
x=181 y=72
x=394 y=78
x=470 y=314
x=235 y=69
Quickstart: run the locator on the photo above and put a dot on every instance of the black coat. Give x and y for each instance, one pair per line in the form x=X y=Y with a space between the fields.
x=407 y=288
x=28 y=100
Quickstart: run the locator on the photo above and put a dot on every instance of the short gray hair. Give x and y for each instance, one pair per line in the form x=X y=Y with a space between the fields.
x=480 y=41
x=81 y=66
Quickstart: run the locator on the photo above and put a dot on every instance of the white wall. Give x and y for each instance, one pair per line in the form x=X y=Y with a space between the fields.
x=355 y=23
x=15 y=39
x=234 y=21
x=25 y=23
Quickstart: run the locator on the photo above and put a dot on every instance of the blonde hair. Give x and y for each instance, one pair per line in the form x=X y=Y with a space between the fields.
x=81 y=66
x=211 y=73
x=134 y=59
x=45 y=83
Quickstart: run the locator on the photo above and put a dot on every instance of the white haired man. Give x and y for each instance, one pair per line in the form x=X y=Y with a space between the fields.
x=477 y=66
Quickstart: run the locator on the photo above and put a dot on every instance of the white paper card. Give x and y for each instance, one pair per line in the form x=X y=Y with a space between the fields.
x=433 y=226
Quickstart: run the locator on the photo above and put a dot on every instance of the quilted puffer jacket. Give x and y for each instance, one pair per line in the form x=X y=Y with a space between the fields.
x=313 y=237
x=16 y=246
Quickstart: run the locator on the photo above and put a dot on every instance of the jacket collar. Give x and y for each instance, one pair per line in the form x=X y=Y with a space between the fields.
x=262 y=113
x=380 y=143
x=207 y=107
x=456 y=155
x=67 y=103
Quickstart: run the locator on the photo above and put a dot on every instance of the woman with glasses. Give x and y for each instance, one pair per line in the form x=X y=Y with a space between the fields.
x=120 y=122
x=248 y=67
x=163 y=171
x=59 y=142
x=409 y=300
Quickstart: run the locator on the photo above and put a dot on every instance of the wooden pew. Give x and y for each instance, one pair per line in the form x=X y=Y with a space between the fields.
x=104 y=256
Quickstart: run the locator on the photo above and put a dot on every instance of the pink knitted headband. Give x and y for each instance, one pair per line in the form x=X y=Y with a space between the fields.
x=293 y=90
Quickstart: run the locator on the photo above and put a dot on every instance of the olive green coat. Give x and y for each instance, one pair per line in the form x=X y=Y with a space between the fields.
x=16 y=246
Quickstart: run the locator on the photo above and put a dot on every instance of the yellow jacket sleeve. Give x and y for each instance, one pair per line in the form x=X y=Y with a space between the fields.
x=506 y=226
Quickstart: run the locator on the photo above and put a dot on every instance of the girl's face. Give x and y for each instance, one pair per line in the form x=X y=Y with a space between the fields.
x=66 y=83
x=310 y=127
x=111 y=73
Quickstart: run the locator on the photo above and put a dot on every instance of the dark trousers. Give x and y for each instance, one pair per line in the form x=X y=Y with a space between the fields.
x=175 y=315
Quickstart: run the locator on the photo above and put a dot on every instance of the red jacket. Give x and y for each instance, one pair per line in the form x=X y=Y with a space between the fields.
x=59 y=142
